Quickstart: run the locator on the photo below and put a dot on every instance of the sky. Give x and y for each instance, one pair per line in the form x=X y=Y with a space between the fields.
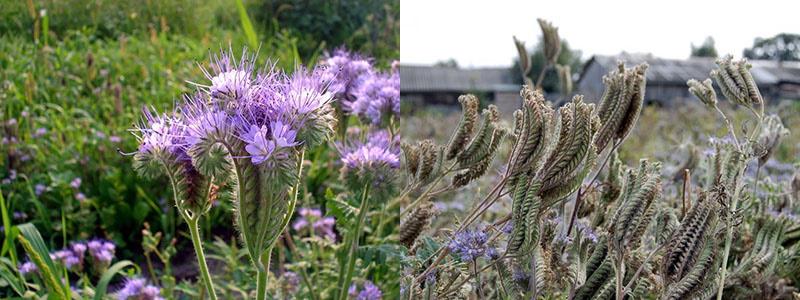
x=479 y=33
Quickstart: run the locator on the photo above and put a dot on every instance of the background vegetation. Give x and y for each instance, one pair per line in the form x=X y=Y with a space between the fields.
x=75 y=75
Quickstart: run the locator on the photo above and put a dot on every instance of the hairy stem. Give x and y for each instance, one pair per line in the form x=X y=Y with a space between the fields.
x=201 y=257
x=346 y=271
x=262 y=275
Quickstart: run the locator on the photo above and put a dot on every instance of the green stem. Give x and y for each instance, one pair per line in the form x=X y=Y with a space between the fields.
x=201 y=257
x=263 y=275
x=346 y=271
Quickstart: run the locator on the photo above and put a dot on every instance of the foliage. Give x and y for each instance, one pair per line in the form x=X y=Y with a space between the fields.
x=782 y=47
x=706 y=49
x=370 y=27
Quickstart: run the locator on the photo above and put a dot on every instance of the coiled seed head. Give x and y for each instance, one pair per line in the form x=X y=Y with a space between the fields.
x=772 y=131
x=466 y=127
x=621 y=103
x=415 y=223
x=635 y=207
x=552 y=43
x=736 y=82
x=703 y=91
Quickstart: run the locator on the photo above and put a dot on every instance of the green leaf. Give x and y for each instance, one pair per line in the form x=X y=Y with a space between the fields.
x=11 y=279
x=34 y=245
x=247 y=26
x=102 y=285
x=343 y=211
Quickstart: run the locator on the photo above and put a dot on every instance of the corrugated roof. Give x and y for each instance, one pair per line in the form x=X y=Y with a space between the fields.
x=449 y=79
x=676 y=71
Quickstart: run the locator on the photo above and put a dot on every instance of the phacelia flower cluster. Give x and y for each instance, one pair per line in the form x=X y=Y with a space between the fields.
x=469 y=244
x=369 y=291
x=312 y=218
x=138 y=289
x=267 y=111
x=97 y=253
x=378 y=154
x=364 y=91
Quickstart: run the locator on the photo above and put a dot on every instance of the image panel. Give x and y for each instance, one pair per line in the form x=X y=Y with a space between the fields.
x=224 y=149
x=599 y=150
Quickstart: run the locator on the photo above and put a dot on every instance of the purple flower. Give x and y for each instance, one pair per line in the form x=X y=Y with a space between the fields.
x=376 y=97
x=264 y=143
x=18 y=216
x=27 y=268
x=115 y=139
x=75 y=183
x=161 y=134
x=138 y=289
x=41 y=131
x=469 y=244
x=348 y=69
x=101 y=251
x=307 y=215
x=80 y=197
x=370 y=292
x=324 y=227
x=377 y=152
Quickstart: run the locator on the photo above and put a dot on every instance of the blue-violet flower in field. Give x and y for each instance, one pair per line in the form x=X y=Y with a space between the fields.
x=377 y=97
x=348 y=69
x=375 y=161
x=27 y=267
x=469 y=244
x=369 y=292
x=138 y=289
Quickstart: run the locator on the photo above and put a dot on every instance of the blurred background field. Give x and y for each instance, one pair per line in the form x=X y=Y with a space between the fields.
x=75 y=75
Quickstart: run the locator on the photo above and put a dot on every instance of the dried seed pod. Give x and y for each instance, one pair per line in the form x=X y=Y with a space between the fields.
x=415 y=223
x=524 y=60
x=635 y=208
x=769 y=138
x=412 y=156
x=574 y=154
x=699 y=279
x=687 y=243
x=534 y=132
x=478 y=148
x=621 y=103
x=596 y=281
x=479 y=168
x=565 y=78
x=736 y=82
x=764 y=253
x=703 y=91
x=466 y=127
x=427 y=160
x=524 y=216
x=552 y=43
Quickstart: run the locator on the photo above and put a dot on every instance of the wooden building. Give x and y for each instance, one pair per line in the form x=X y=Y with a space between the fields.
x=666 y=78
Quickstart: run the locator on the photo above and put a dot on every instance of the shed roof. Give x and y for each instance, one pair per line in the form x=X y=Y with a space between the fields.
x=678 y=71
x=415 y=78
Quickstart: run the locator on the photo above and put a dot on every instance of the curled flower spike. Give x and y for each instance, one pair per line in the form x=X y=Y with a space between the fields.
x=703 y=91
x=736 y=82
x=769 y=138
x=552 y=43
x=621 y=103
